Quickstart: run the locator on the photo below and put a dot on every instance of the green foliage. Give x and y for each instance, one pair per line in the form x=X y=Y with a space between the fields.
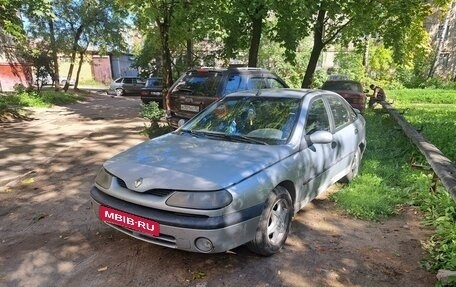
x=386 y=180
x=351 y=65
x=440 y=212
x=151 y=112
x=433 y=112
x=46 y=98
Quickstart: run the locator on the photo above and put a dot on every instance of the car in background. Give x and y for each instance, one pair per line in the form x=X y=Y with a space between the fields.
x=153 y=91
x=352 y=91
x=234 y=174
x=126 y=86
x=198 y=88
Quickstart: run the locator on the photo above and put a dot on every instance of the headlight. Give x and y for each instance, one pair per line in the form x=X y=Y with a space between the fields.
x=103 y=178
x=200 y=200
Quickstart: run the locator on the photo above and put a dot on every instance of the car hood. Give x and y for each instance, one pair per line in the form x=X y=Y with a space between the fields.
x=182 y=162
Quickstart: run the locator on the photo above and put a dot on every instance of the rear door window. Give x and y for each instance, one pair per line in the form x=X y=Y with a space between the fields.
x=341 y=113
x=128 y=81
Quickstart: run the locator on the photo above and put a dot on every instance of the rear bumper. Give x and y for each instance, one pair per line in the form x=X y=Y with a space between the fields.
x=181 y=231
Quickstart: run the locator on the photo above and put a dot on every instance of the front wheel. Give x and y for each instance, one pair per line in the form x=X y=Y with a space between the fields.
x=274 y=225
x=119 y=92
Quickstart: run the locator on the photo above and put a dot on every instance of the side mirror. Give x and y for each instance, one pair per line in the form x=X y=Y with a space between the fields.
x=319 y=137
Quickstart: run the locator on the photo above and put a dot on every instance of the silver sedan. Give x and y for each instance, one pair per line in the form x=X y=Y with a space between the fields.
x=234 y=174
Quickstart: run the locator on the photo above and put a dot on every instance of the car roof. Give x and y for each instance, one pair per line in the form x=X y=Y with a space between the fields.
x=342 y=81
x=219 y=69
x=279 y=93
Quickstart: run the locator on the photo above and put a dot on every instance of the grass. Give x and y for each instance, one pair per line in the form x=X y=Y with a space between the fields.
x=387 y=181
x=46 y=98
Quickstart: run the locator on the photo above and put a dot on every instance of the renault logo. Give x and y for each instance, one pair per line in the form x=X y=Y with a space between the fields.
x=138 y=182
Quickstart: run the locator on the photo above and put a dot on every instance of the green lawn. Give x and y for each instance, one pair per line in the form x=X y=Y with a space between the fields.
x=386 y=180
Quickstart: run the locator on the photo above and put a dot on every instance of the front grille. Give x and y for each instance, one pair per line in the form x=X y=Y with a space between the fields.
x=156 y=192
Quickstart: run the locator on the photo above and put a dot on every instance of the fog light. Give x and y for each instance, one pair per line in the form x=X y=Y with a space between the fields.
x=204 y=244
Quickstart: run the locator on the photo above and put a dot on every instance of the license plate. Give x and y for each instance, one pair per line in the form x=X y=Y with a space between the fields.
x=129 y=221
x=190 y=108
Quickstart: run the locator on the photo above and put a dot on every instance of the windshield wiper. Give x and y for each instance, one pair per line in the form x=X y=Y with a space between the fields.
x=197 y=134
x=234 y=137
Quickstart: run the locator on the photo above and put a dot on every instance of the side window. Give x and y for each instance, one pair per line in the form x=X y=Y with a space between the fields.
x=233 y=84
x=119 y=80
x=340 y=112
x=128 y=81
x=273 y=83
x=317 y=117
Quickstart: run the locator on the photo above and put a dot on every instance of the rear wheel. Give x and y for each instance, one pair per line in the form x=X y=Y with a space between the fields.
x=354 y=169
x=274 y=225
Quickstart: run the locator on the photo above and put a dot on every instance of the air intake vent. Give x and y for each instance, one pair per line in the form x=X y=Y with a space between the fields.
x=159 y=192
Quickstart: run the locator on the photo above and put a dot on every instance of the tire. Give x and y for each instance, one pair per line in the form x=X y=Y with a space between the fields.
x=274 y=225
x=354 y=169
x=119 y=92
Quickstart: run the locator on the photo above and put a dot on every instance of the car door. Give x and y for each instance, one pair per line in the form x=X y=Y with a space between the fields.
x=316 y=158
x=345 y=135
x=127 y=85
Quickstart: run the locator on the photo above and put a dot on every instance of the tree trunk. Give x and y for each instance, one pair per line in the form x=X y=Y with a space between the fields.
x=81 y=61
x=189 y=54
x=55 y=57
x=318 y=46
x=257 y=25
x=166 y=53
x=77 y=36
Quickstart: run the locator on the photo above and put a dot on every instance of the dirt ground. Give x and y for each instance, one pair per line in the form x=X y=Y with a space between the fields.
x=49 y=235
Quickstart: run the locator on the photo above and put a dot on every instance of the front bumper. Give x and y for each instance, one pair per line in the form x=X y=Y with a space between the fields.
x=181 y=231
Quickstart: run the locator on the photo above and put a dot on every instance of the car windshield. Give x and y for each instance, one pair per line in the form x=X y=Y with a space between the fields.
x=199 y=83
x=342 y=86
x=264 y=120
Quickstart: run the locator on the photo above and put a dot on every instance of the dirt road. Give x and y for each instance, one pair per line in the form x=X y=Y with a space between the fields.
x=49 y=235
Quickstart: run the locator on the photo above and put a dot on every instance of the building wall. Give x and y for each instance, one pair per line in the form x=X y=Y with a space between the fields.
x=122 y=67
x=442 y=29
x=14 y=74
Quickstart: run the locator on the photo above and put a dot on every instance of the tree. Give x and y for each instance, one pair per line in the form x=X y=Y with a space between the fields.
x=75 y=25
x=398 y=24
x=10 y=20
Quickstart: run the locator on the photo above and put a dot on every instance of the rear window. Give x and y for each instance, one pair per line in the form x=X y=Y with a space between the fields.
x=199 y=83
x=342 y=86
x=154 y=82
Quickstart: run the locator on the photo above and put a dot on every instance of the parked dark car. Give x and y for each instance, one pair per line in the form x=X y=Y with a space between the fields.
x=234 y=174
x=152 y=91
x=126 y=86
x=352 y=91
x=198 y=88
